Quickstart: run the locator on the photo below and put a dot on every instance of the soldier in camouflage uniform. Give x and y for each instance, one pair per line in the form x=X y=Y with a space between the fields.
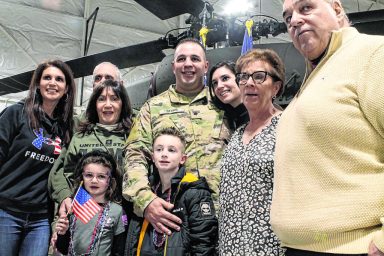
x=188 y=107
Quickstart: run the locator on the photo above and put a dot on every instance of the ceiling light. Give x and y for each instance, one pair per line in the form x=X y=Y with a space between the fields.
x=237 y=7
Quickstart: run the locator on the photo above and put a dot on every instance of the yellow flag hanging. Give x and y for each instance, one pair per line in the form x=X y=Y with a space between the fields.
x=249 y=25
x=203 y=35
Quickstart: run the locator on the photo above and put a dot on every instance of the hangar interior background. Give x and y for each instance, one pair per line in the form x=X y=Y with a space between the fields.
x=35 y=30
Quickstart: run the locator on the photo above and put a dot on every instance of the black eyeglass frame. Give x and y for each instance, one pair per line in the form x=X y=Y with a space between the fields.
x=238 y=77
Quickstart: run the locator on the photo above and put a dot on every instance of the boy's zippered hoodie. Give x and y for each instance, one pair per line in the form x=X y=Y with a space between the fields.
x=193 y=204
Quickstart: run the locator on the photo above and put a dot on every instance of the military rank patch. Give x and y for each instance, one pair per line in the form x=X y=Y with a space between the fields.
x=205 y=208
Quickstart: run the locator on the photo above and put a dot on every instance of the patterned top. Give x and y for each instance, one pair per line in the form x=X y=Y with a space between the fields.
x=246 y=195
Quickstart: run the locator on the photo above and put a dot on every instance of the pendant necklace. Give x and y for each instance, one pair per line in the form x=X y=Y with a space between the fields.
x=96 y=233
x=158 y=238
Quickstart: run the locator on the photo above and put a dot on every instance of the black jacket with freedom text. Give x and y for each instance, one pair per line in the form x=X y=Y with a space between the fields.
x=26 y=157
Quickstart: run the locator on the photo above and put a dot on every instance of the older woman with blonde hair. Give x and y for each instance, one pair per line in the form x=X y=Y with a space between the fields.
x=247 y=164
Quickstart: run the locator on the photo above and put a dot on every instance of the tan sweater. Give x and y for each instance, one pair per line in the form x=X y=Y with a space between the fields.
x=329 y=159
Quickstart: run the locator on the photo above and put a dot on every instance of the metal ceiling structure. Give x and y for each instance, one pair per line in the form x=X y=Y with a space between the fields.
x=125 y=33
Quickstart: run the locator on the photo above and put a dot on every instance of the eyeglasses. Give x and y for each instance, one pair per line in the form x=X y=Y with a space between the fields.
x=258 y=77
x=99 y=177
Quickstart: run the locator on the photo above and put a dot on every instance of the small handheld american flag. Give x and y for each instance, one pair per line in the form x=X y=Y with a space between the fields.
x=84 y=206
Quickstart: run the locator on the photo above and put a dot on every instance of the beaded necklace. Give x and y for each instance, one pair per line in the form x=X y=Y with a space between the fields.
x=158 y=238
x=96 y=234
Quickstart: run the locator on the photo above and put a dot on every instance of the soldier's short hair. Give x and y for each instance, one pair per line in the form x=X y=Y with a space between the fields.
x=172 y=131
x=190 y=40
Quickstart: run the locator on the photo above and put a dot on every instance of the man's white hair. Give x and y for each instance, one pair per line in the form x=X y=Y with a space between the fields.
x=346 y=19
x=118 y=73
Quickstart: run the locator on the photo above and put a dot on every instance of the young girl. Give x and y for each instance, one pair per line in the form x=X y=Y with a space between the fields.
x=104 y=234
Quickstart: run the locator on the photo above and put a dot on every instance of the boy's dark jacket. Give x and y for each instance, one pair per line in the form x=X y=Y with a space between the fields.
x=193 y=205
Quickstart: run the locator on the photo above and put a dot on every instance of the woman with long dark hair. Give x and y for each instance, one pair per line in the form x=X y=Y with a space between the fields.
x=225 y=93
x=108 y=120
x=32 y=133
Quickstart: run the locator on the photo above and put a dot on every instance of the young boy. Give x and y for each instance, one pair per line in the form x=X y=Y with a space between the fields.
x=192 y=201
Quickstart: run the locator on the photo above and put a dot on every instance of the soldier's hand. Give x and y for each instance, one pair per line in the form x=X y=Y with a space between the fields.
x=65 y=206
x=374 y=251
x=156 y=213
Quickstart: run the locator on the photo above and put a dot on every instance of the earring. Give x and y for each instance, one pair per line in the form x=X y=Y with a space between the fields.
x=274 y=97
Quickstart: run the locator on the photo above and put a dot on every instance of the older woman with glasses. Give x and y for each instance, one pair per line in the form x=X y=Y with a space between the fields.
x=247 y=164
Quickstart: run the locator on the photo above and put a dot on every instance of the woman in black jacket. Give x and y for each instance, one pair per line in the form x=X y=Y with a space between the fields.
x=32 y=134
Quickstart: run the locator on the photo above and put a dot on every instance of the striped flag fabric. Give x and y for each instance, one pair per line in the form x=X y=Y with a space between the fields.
x=84 y=207
x=56 y=143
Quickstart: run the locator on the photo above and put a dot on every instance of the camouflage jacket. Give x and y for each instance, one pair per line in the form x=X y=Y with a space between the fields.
x=204 y=127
